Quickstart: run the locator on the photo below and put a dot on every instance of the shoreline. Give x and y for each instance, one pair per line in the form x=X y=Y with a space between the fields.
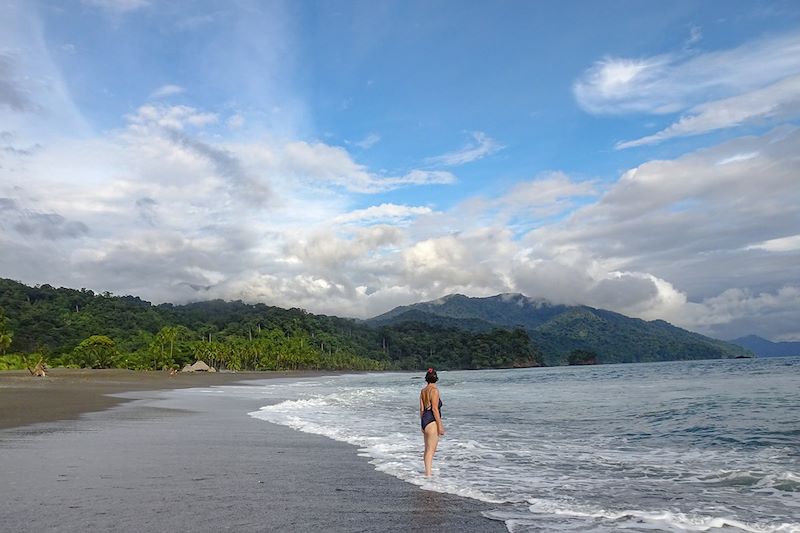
x=67 y=394
x=166 y=459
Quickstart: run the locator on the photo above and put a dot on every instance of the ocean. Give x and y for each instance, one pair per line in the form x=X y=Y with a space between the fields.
x=676 y=446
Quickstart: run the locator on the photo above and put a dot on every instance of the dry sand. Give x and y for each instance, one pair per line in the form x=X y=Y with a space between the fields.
x=190 y=461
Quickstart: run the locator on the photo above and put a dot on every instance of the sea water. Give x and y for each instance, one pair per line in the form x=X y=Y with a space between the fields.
x=678 y=446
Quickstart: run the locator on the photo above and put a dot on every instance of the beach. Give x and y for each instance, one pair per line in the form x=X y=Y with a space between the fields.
x=66 y=394
x=153 y=459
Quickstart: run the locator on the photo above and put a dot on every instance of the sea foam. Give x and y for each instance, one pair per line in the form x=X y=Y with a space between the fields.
x=555 y=451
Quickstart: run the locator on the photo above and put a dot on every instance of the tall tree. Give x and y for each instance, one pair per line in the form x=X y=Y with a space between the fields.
x=97 y=351
x=6 y=335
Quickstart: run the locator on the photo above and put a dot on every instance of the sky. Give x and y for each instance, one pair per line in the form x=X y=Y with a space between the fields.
x=350 y=157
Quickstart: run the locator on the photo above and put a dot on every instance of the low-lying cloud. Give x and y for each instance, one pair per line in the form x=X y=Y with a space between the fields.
x=169 y=222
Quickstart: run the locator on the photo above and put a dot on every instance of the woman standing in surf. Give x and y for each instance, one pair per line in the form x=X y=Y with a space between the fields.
x=430 y=405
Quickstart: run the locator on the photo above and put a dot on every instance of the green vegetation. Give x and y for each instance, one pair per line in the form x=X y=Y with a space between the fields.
x=417 y=345
x=6 y=335
x=80 y=328
x=98 y=351
x=582 y=357
x=559 y=330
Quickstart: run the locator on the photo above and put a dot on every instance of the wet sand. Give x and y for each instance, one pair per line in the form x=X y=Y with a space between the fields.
x=65 y=394
x=189 y=461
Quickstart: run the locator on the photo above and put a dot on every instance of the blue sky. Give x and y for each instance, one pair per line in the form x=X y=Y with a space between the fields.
x=348 y=157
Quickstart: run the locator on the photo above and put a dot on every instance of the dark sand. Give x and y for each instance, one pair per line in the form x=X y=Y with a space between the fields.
x=65 y=394
x=171 y=461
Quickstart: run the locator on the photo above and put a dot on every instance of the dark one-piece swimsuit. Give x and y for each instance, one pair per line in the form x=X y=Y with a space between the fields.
x=427 y=415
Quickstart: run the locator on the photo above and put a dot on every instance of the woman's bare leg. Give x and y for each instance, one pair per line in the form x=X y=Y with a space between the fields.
x=431 y=442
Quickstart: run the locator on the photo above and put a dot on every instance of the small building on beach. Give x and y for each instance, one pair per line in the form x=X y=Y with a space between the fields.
x=199 y=366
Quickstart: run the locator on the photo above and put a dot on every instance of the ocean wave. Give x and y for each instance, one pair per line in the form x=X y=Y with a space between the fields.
x=783 y=481
x=549 y=462
x=612 y=520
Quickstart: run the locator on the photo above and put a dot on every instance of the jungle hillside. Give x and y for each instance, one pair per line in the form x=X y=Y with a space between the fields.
x=81 y=328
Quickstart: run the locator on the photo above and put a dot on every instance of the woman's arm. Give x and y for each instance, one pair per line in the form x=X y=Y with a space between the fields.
x=421 y=404
x=435 y=408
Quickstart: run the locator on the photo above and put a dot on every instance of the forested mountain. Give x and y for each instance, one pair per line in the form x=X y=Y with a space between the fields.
x=558 y=330
x=79 y=327
x=508 y=310
x=424 y=317
x=766 y=348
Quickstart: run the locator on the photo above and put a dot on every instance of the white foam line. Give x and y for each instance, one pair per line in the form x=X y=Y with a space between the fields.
x=680 y=520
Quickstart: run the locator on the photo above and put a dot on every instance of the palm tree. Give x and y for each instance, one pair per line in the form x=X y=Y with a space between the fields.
x=167 y=335
x=6 y=335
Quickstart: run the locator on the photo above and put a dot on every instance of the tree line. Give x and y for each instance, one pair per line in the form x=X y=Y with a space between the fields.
x=69 y=327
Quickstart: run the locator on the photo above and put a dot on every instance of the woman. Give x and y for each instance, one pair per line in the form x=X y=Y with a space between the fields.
x=430 y=406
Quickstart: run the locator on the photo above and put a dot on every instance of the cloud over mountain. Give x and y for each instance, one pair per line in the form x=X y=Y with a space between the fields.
x=251 y=180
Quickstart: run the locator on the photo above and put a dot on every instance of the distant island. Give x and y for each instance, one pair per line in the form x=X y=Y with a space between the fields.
x=766 y=348
x=80 y=328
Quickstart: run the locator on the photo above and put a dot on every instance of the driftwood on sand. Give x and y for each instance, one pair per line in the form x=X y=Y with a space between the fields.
x=39 y=370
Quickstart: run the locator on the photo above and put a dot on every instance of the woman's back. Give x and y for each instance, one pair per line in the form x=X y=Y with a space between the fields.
x=427 y=394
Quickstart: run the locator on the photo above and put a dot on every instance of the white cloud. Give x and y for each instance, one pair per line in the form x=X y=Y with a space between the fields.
x=416 y=177
x=548 y=194
x=167 y=90
x=167 y=220
x=332 y=164
x=625 y=252
x=323 y=252
x=736 y=158
x=170 y=209
x=481 y=146
x=783 y=244
x=667 y=186
x=369 y=141
x=572 y=277
x=681 y=220
x=382 y=213
x=175 y=117
x=473 y=262
x=671 y=83
x=166 y=211
x=548 y=188
x=780 y=100
x=732 y=308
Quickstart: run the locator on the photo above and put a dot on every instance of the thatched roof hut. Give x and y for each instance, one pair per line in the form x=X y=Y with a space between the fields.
x=199 y=366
